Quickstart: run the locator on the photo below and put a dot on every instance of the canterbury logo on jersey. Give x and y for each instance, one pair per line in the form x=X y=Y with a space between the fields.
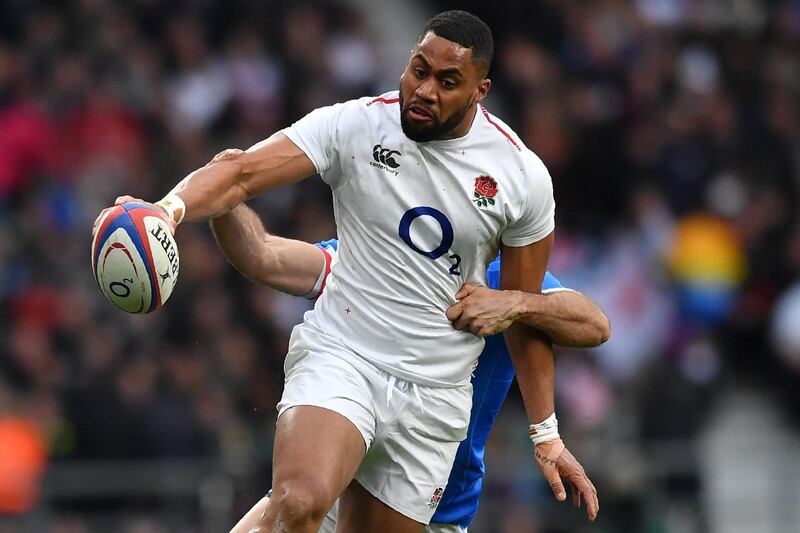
x=386 y=157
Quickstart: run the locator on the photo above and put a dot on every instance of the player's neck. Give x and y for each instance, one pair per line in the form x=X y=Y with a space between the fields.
x=464 y=127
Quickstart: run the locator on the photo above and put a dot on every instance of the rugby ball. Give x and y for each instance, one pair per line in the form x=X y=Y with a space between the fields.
x=134 y=258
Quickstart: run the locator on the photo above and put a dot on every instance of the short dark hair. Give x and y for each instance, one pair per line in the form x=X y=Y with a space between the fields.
x=465 y=29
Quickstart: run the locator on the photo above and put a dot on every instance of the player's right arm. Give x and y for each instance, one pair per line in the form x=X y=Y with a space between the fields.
x=230 y=178
x=290 y=266
x=309 y=146
x=235 y=176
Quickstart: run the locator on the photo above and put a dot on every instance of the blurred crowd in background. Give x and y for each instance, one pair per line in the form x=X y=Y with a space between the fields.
x=670 y=128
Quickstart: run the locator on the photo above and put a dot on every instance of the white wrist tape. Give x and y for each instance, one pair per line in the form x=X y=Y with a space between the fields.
x=175 y=207
x=544 y=431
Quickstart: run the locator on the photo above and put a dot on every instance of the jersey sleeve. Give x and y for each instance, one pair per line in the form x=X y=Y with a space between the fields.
x=493 y=274
x=316 y=135
x=329 y=249
x=331 y=245
x=536 y=219
x=550 y=283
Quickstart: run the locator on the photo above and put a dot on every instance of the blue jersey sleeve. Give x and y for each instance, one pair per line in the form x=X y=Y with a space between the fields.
x=332 y=243
x=549 y=283
x=493 y=274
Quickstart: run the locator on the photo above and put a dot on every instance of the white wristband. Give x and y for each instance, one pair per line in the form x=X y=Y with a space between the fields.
x=175 y=207
x=544 y=431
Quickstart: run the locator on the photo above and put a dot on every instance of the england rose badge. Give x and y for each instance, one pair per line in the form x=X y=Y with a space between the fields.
x=436 y=497
x=485 y=191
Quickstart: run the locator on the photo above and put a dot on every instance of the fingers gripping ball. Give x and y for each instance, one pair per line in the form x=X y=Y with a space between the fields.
x=134 y=258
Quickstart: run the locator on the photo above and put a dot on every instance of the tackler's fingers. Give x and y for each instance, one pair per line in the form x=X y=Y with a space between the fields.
x=454 y=311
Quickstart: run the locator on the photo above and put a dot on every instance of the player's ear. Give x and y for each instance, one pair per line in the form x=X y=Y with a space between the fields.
x=483 y=90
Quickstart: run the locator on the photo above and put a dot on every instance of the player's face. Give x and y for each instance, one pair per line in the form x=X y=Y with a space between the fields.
x=439 y=90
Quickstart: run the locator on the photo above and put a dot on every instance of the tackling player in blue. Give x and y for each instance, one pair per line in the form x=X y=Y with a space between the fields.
x=568 y=317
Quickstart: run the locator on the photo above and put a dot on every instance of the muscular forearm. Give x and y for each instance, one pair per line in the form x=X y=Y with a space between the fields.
x=286 y=265
x=241 y=237
x=569 y=318
x=213 y=190
x=234 y=176
x=532 y=356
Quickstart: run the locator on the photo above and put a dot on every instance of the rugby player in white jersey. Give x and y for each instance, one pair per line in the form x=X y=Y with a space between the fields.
x=427 y=187
x=566 y=316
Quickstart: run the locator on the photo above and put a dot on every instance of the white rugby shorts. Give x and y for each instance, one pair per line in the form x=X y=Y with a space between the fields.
x=411 y=431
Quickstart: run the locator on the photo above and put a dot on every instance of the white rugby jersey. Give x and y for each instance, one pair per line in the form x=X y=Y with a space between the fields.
x=415 y=222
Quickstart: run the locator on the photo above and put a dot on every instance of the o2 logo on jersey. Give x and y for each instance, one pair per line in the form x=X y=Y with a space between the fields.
x=447 y=235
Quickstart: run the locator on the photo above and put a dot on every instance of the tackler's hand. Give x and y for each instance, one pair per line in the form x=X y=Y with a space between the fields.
x=483 y=311
x=556 y=462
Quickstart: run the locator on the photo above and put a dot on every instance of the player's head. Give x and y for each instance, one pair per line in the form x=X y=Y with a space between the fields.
x=445 y=76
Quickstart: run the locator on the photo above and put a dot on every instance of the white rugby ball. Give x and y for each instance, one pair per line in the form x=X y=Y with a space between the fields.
x=135 y=258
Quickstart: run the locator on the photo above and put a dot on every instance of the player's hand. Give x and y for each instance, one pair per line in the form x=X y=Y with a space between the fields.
x=122 y=199
x=483 y=311
x=556 y=462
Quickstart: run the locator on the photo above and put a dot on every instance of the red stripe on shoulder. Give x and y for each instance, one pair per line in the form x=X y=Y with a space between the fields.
x=328 y=260
x=501 y=130
x=383 y=100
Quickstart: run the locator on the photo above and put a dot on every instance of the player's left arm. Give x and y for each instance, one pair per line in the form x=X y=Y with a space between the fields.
x=523 y=268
